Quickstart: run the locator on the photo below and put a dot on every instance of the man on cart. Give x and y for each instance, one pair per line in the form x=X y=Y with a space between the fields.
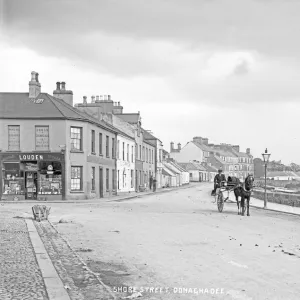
x=218 y=181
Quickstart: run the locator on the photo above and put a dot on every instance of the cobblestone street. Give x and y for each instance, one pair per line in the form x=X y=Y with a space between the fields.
x=20 y=276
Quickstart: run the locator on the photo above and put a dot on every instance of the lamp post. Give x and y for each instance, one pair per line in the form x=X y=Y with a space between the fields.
x=266 y=157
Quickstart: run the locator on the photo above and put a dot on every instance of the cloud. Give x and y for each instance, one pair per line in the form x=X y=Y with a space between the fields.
x=242 y=68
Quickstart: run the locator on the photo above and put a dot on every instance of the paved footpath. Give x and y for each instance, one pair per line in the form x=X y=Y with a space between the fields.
x=20 y=275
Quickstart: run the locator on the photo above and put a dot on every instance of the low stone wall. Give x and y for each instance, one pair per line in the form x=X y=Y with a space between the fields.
x=280 y=198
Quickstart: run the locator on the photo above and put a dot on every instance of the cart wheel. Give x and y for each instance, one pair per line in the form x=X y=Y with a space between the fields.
x=220 y=202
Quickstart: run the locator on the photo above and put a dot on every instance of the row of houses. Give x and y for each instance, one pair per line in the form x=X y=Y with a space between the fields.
x=202 y=159
x=51 y=149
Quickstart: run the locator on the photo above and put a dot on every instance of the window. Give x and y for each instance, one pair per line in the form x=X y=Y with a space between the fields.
x=160 y=155
x=107 y=146
x=132 y=154
x=140 y=177
x=41 y=138
x=131 y=174
x=118 y=179
x=152 y=157
x=136 y=151
x=146 y=154
x=123 y=151
x=127 y=152
x=100 y=144
x=76 y=138
x=124 y=178
x=93 y=142
x=13 y=137
x=107 y=180
x=113 y=148
x=93 y=178
x=114 y=179
x=118 y=150
x=76 y=178
x=143 y=157
x=140 y=152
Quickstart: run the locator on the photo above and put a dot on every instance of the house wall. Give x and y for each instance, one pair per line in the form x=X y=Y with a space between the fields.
x=126 y=166
x=189 y=152
x=87 y=160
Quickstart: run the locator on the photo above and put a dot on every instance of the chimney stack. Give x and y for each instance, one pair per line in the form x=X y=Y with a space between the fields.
x=248 y=151
x=62 y=93
x=205 y=141
x=34 y=85
x=171 y=147
x=108 y=97
x=236 y=148
x=198 y=139
x=179 y=146
x=84 y=100
x=93 y=99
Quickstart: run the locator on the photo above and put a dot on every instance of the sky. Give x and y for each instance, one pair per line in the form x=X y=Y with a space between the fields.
x=228 y=70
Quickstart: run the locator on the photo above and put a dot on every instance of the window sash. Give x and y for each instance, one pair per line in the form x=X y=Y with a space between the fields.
x=41 y=137
x=76 y=138
x=76 y=178
x=107 y=146
x=13 y=137
x=100 y=144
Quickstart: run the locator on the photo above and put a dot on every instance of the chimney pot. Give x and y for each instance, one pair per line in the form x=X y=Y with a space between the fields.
x=101 y=97
x=37 y=77
x=84 y=99
x=118 y=103
x=97 y=98
x=57 y=86
x=63 y=86
x=108 y=97
x=93 y=99
x=33 y=77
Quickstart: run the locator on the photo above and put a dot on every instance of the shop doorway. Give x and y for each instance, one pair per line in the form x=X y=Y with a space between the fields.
x=30 y=185
x=101 y=182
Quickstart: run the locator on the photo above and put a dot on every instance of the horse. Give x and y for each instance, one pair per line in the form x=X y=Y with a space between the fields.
x=245 y=193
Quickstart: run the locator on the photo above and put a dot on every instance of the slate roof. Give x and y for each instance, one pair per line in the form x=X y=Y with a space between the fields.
x=203 y=147
x=167 y=172
x=19 y=106
x=189 y=166
x=211 y=169
x=130 y=118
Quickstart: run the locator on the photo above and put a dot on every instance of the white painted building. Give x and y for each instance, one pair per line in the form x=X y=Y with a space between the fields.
x=125 y=158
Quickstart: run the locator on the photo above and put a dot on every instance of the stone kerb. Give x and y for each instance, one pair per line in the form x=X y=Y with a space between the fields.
x=279 y=198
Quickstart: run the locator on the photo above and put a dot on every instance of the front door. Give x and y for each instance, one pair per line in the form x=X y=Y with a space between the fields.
x=101 y=182
x=31 y=185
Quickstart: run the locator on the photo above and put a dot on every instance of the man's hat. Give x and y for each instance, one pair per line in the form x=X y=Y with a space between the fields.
x=220 y=170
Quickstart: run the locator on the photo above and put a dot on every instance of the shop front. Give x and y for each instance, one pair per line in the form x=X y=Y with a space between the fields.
x=32 y=176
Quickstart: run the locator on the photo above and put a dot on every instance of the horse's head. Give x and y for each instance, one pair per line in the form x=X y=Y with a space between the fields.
x=249 y=182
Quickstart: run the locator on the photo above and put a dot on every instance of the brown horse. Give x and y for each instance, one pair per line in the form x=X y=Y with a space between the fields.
x=245 y=193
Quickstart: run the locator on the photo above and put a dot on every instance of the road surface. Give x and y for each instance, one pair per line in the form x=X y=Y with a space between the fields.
x=180 y=244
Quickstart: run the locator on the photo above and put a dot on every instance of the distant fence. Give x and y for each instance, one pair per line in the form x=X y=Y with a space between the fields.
x=280 y=198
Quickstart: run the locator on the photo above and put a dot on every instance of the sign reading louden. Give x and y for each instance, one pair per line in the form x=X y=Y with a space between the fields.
x=30 y=157
x=42 y=138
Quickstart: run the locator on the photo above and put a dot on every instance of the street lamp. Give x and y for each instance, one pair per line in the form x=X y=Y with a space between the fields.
x=266 y=157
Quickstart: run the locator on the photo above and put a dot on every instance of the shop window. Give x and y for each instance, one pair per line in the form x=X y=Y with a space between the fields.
x=41 y=138
x=76 y=138
x=13 y=138
x=13 y=179
x=76 y=178
x=49 y=178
